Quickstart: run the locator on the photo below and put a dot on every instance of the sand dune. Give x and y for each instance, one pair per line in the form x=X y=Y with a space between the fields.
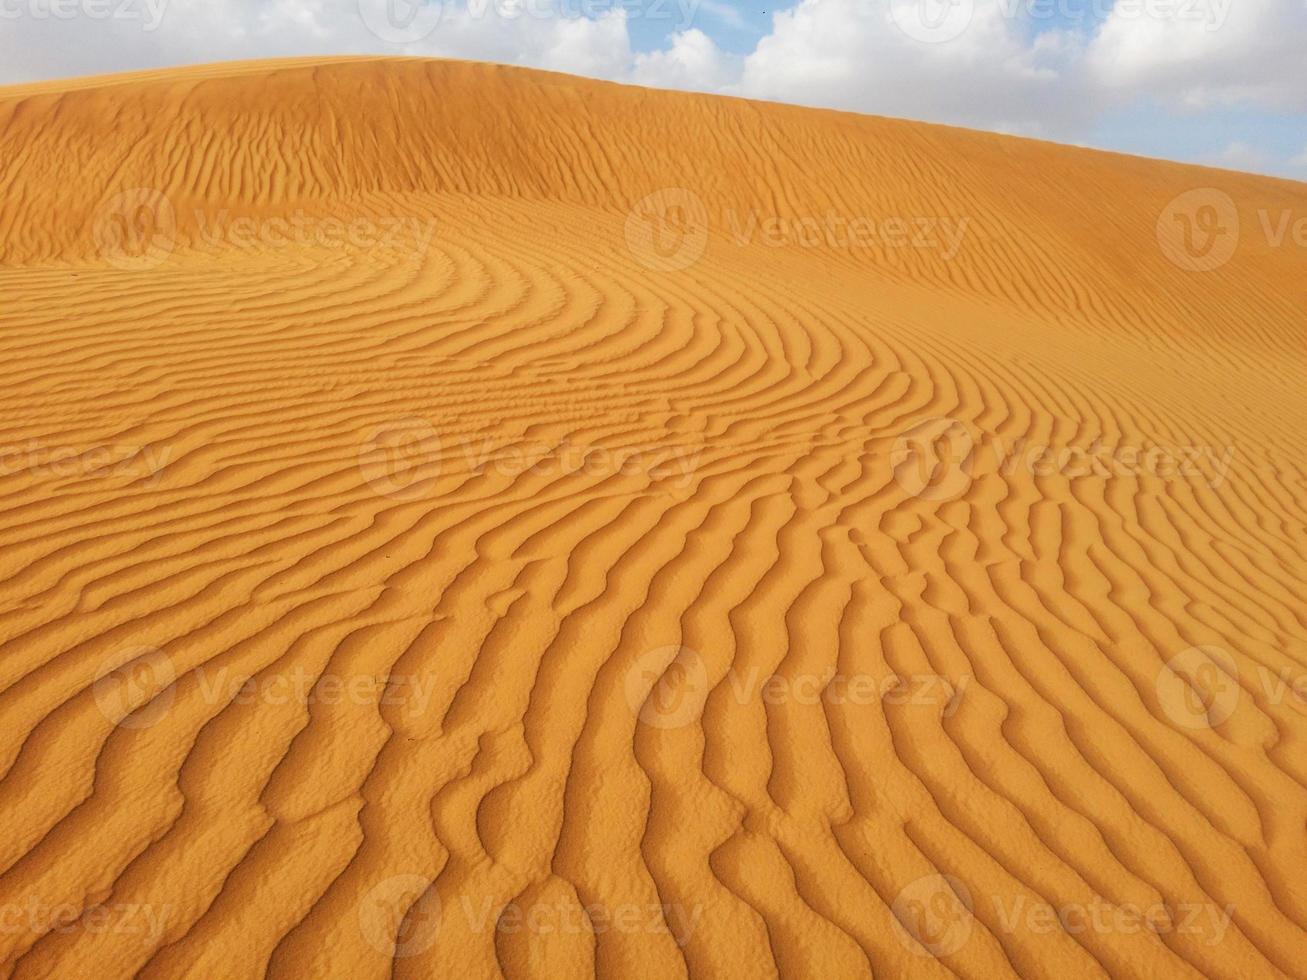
x=464 y=521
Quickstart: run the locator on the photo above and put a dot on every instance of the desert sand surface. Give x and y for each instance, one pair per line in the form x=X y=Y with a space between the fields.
x=462 y=521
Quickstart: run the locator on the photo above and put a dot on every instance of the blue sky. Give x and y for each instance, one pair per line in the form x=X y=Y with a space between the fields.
x=1221 y=82
x=736 y=27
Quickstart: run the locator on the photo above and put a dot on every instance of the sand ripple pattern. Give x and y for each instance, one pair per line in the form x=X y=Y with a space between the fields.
x=475 y=584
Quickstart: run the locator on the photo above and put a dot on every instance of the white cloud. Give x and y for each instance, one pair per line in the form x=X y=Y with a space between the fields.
x=1205 y=53
x=905 y=58
x=191 y=31
x=692 y=61
x=1240 y=155
x=724 y=12
x=983 y=63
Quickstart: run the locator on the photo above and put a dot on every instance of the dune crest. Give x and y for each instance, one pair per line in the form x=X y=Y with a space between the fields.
x=469 y=521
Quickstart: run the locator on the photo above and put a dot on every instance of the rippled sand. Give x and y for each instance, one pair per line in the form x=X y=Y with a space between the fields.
x=463 y=521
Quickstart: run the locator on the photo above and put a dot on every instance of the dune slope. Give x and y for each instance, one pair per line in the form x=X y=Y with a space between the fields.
x=465 y=521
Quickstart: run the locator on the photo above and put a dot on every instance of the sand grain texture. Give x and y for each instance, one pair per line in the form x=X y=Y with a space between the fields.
x=550 y=488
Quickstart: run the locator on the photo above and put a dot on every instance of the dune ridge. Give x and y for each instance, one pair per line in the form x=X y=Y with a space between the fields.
x=700 y=576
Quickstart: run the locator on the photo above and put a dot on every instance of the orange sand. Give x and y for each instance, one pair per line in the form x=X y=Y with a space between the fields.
x=463 y=521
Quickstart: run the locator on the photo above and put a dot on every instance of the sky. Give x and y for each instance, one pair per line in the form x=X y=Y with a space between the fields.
x=1219 y=82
